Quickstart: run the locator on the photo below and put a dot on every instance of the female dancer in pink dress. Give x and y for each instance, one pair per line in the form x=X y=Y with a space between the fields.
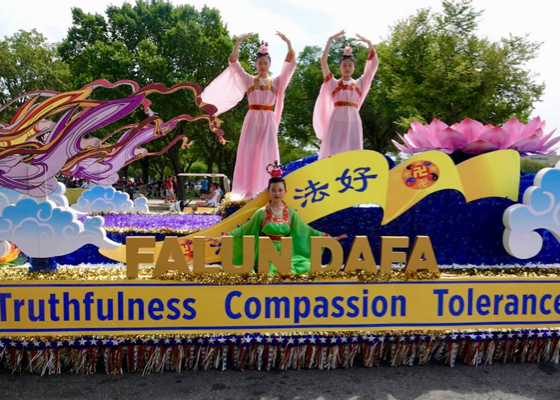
x=258 y=143
x=336 y=118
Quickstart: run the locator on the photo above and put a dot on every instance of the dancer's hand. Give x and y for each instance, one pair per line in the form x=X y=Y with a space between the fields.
x=283 y=37
x=341 y=237
x=244 y=37
x=366 y=41
x=337 y=36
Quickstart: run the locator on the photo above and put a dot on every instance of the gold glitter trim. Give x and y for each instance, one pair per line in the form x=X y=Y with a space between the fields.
x=119 y=272
x=227 y=203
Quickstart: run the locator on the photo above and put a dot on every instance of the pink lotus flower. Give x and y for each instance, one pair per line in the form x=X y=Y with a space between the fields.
x=471 y=137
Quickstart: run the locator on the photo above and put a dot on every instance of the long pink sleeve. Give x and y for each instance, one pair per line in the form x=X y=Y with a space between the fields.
x=364 y=81
x=281 y=83
x=228 y=88
x=324 y=107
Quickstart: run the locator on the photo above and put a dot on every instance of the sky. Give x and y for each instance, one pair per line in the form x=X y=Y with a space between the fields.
x=311 y=22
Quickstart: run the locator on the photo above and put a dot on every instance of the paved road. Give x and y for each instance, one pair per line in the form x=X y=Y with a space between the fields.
x=508 y=382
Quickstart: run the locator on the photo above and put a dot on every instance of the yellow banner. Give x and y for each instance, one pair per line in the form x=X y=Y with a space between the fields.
x=338 y=182
x=416 y=178
x=491 y=175
x=362 y=177
x=164 y=307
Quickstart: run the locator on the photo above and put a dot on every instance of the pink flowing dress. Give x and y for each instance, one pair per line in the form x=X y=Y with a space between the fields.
x=336 y=117
x=258 y=143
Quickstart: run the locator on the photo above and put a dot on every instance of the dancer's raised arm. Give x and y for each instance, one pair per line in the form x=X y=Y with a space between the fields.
x=325 y=57
x=366 y=41
x=285 y=39
x=235 y=52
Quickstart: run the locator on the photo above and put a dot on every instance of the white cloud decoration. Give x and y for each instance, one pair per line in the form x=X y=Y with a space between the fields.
x=141 y=205
x=59 y=197
x=9 y=196
x=540 y=209
x=106 y=198
x=44 y=230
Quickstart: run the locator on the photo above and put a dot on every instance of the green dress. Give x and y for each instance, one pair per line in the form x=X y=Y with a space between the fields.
x=263 y=223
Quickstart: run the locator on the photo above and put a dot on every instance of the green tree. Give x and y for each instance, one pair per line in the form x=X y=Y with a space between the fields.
x=433 y=65
x=156 y=42
x=28 y=63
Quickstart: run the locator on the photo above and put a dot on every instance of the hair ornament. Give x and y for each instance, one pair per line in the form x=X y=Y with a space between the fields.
x=275 y=170
x=263 y=48
x=348 y=49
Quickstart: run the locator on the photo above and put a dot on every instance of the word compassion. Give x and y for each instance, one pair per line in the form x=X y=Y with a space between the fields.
x=141 y=250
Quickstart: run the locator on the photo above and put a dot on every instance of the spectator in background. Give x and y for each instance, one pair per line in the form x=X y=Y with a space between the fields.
x=203 y=188
x=130 y=187
x=168 y=190
x=213 y=201
x=143 y=189
x=175 y=188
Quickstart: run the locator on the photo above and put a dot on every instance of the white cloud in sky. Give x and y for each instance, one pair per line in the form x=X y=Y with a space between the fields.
x=311 y=22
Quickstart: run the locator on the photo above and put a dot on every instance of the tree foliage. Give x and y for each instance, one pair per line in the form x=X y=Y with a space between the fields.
x=28 y=63
x=435 y=66
x=154 y=41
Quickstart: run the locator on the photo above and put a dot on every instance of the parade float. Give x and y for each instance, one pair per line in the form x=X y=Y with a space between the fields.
x=445 y=260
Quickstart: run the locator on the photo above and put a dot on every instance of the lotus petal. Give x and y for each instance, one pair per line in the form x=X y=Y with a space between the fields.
x=407 y=142
x=479 y=147
x=451 y=139
x=419 y=140
x=402 y=148
x=470 y=128
x=513 y=128
x=531 y=127
x=526 y=144
x=548 y=147
x=434 y=128
x=421 y=129
x=545 y=138
x=496 y=136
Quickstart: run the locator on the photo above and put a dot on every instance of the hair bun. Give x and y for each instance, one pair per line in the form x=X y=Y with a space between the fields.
x=347 y=51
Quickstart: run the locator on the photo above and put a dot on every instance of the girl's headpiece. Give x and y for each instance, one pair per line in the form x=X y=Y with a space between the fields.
x=274 y=170
x=348 y=51
x=263 y=49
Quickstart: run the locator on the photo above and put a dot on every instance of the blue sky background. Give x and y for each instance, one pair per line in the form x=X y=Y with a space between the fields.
x=311 y=22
